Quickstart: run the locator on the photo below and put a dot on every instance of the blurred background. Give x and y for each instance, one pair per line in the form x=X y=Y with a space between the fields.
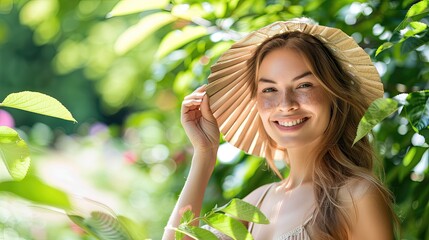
x=122 y=71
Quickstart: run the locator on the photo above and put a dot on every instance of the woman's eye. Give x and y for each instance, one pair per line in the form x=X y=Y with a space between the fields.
x=268 y=90
x=305 y=85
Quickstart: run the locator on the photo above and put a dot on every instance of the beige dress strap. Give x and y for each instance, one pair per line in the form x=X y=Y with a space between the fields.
x=259 y=203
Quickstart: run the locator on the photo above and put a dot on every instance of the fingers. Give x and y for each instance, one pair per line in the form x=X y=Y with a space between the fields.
x=195 y=98
x=198 y=93
x=205 y=109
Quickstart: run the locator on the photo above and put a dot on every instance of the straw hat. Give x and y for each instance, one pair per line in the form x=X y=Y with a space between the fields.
x=230 y=94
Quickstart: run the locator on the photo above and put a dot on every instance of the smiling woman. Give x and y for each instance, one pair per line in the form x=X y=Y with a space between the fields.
x=293 y=91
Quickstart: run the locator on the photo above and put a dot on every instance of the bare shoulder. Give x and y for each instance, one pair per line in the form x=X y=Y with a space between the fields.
x=369 y=209
x=256 y=194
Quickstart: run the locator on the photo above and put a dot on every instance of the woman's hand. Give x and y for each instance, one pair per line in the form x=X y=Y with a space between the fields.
x=199 y=122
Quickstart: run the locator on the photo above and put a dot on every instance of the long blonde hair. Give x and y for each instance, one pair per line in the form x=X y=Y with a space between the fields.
x=339 y=161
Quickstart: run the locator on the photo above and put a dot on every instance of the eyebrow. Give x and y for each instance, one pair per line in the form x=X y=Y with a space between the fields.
x=294 y=79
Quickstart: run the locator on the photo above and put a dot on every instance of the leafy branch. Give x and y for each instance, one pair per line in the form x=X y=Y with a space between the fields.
x=226 y=219
x=411 y=33
x=413 y=106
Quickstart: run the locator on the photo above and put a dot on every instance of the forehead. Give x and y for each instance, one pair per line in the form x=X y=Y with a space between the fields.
x=282 y=62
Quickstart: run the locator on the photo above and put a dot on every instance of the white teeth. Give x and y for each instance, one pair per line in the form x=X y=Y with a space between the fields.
x=292 y=123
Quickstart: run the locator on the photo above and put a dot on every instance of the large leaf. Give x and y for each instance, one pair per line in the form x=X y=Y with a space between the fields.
x=417 y=109
x=377 y=111
x=126 y=7
x=229 y=226
x=37 y=103
x=33 y=189
x=244 y=211
x=102 y=225
x=178 y=38
x=145 y=27
x=195 y=233
x=14 y=152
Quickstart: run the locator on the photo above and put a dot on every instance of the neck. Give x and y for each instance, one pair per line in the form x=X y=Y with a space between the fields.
x=301 y=164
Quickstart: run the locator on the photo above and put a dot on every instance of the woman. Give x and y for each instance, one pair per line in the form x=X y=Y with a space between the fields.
x=293 y=91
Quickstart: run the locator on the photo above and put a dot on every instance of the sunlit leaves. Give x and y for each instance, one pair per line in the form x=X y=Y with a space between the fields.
x=417 y=8
x=178 y=38
x=194 y=232
x=37 y=103
x=139 y=32
x=190 y=13
x=377 y=111
x=229 y=226
x=412 y=43
x=244 y=211
x=126 y=7
x=14 y=152
x=417 y=109
x=228 y=223
x=410 y=33
x=33 y=189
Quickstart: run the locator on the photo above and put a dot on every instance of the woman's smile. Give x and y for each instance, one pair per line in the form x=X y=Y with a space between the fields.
x=291 y=123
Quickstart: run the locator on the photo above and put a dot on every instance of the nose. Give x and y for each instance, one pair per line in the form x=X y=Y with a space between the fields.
x=288 y=102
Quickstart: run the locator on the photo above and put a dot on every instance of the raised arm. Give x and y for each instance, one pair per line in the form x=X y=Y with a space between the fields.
x=202 y=130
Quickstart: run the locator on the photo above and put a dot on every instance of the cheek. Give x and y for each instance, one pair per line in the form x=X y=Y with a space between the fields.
x=266 y=103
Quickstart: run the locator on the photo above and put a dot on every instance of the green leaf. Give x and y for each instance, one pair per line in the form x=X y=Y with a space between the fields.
x=187 y=217
x=195 y=232
x=131 y=227
x=126 y=7
x=139 y=32
x=229 y=226
x=37 y=103
x=101 y=225
x=14 y=152
x=33 y=189
x=244 y=211
x=383 y=47
x=377 y=111
x=178 y=38
x=417 y=8
x=418 y=26
x=412 y=43
x=411 y=159
x=417 y=109
x=80 y=221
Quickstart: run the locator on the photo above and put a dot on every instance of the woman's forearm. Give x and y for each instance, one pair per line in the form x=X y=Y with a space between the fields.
x=192 y=195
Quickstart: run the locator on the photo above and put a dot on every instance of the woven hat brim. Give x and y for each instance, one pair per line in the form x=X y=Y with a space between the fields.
x=230 y=95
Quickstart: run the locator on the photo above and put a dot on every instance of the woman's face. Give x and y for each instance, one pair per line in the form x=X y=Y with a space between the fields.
x=293 y=105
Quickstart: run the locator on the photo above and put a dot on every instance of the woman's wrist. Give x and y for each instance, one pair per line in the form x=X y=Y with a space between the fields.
x=204 y=160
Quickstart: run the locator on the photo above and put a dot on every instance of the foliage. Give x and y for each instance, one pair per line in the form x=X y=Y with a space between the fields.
x=228 y=224
x=129 y=147
x=13 y=149
x=415 y=109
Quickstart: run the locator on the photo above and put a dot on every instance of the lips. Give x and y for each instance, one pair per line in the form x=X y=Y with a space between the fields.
x=292 y=122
